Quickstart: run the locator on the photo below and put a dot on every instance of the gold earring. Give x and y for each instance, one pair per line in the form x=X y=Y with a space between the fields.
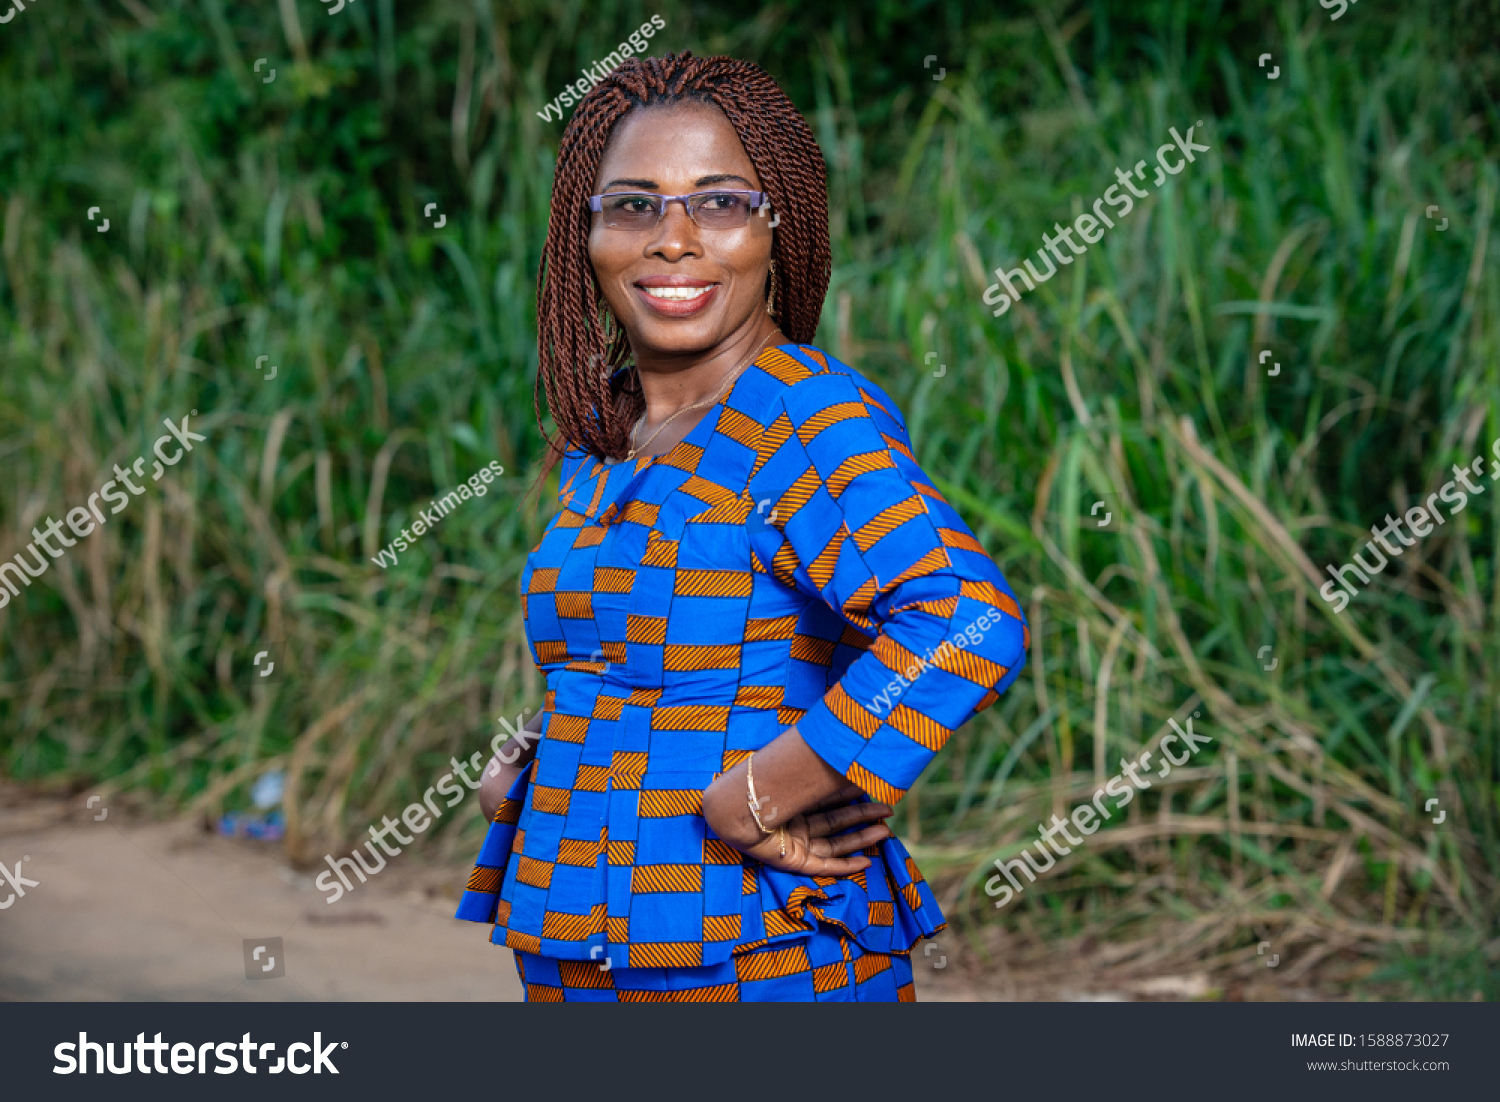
x=771 y=293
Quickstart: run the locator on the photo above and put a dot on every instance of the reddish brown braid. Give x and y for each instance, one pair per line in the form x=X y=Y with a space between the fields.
x=576 y=340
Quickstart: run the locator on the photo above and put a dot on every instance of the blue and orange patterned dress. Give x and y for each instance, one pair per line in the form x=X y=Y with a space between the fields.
x=786 y=564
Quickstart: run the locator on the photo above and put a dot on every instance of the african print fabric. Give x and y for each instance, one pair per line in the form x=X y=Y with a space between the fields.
x=787 y=564
x=824 y=967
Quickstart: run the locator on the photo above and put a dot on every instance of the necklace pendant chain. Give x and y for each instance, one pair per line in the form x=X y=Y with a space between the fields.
x=733 y=375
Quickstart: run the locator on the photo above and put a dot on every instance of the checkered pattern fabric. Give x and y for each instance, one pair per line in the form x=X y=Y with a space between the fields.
x=786 y=564
x=825 y=967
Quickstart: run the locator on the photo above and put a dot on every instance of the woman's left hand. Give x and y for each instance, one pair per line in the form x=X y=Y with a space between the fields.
x=814 y=844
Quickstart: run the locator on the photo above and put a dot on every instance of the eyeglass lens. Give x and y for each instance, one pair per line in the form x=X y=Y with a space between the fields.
x=712 y=210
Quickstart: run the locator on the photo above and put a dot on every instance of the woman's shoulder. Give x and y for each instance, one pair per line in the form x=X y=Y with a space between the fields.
x=803 y=381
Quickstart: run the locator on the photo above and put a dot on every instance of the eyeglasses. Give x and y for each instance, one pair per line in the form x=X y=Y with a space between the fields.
x=709 y=210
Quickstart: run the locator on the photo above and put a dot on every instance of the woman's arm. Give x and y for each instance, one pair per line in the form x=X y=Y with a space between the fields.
x=859 y=526
x=505 y=767
x=790 y=779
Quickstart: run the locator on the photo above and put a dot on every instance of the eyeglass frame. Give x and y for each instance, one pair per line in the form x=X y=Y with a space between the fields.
x=758 y=200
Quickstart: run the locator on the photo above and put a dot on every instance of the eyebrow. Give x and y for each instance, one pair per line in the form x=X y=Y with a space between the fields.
x=703 y=181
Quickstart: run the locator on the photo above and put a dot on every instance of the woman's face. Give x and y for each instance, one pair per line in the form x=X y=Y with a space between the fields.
x=678 y=150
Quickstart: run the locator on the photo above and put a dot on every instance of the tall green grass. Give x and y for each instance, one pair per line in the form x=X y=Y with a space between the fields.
x=285 y=220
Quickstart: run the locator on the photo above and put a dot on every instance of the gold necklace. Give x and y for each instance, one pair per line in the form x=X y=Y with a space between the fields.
x=735 y=374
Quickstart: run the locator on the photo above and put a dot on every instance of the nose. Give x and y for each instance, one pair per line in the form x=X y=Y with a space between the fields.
x=676 y=235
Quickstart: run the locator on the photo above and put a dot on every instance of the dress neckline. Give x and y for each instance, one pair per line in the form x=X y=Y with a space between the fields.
x=651 y=460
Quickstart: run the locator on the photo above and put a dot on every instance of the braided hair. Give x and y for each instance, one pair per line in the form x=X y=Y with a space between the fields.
x=579 y=344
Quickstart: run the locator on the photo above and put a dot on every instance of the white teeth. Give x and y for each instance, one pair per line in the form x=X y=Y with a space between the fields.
x=678 y=294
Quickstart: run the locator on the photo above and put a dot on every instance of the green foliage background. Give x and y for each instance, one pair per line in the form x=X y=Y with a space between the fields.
x=285 y=219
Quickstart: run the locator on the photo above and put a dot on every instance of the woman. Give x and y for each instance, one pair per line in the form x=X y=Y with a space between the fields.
x=758 y=619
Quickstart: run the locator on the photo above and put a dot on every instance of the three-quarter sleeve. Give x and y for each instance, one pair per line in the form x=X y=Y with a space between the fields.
x=845 y=514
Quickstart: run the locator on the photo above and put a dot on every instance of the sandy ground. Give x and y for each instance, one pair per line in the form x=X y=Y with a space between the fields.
x=161 y=911
x=139 y=911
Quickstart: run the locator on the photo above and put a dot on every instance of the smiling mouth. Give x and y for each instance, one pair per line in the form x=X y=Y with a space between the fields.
x=678 y=294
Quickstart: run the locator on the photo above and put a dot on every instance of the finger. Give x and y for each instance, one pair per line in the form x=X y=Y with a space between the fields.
x=768 y=852
x=842 y=844
x=849 y=843
x=849 y=815
x=844 y=795
x=842 y=818
x=794 y=861
x=833 y=866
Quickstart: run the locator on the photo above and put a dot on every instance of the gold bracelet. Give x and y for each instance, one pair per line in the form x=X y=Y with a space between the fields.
x=755 y=800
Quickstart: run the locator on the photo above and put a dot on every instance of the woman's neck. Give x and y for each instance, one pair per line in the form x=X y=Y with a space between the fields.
x=673 y=383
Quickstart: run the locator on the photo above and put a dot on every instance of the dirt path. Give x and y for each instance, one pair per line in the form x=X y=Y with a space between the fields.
x=161 y=911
